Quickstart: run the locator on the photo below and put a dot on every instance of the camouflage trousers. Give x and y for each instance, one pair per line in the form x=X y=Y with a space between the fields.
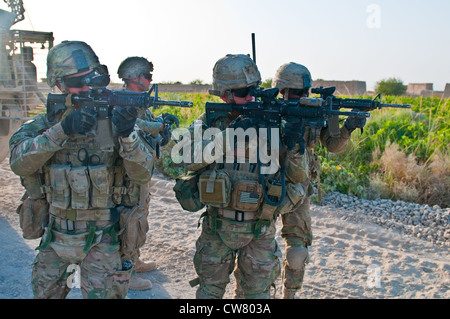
x=99 y=266
x=217 y=250
x=296 y=231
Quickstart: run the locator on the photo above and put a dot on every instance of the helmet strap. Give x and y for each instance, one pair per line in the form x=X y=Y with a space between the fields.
x=286 y=94
x=127 y=81
x=230 y=96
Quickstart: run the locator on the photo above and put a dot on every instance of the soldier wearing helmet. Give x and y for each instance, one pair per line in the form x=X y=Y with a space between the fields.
x=294 y=81
x=76 y=174
x=136 y=74
x=233 y=232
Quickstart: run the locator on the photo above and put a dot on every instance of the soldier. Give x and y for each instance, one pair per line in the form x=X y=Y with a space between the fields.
x=73 y=169
x=294 y=81
x=137 y=77
x=232 y=229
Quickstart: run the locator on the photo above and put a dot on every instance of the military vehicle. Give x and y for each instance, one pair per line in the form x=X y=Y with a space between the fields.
x=22 y=66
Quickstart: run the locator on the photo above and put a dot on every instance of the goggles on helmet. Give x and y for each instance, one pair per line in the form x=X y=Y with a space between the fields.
x=92 y=79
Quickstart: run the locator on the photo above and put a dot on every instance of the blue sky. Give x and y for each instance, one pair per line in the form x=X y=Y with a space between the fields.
x=337 y=40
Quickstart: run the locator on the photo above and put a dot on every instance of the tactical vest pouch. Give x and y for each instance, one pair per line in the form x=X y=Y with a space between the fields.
x=246 y=196
x=187 y=193
x=33 y=185
x=33 y=217
x=60 y=186
x=102 y=180
x=79 y=183
x=131 y=198
x=215 y=188
x=71 y=248
x=294 y=195
x=133 y=231
x=297 y=169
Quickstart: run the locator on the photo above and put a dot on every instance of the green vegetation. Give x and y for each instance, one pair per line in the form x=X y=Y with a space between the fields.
x=401 y=154
x=391 y=86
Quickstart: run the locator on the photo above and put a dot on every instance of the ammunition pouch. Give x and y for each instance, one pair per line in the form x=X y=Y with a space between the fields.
x=60 y=188
x=33 y=216
x=187 y=193
x=102 y=181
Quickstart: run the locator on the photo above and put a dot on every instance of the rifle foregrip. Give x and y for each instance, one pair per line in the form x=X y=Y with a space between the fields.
x=128 y=99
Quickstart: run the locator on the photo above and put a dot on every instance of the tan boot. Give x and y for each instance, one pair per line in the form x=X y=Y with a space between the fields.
x=141 y=266
x=289 y=293
x=137 y=283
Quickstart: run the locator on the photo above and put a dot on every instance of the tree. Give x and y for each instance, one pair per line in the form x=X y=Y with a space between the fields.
x=391 y=86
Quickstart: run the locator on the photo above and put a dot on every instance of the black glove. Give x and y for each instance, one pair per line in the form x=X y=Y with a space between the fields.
x=293 y=134
x=79 y=121
x=170 y=119
x=124 y=120
x=353 y=123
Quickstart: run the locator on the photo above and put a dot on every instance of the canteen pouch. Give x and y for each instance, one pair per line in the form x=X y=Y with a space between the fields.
x=60 y=186
x=133 y=225
x=215 y=188
x=102 y=180
x=187 y=193
x=294 y=195
x=246 y=196
x=33 y=216
x=79 y=184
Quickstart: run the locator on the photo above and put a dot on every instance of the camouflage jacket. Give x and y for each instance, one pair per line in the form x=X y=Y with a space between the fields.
x=38 y=144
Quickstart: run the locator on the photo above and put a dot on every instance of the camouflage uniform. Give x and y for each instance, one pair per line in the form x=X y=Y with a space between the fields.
x=86 y=194
x=296 y=224
x=227 y=232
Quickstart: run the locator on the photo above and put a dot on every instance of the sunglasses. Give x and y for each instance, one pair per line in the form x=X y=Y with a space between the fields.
x=299 y=92
x=242 y=92
x=147 y=76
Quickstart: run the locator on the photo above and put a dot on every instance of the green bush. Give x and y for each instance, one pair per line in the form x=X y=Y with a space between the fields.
x=391 y=86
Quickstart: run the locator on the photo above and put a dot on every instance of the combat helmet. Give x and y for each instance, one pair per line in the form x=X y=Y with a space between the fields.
x=292 y=76
x=71 y=57
x=234 y=71
x=133 y=67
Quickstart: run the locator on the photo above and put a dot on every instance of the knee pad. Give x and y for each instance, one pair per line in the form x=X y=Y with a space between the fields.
x=297 y=257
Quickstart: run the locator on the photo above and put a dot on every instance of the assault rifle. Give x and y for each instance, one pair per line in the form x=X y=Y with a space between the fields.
x=269 y=111
x=364 y=105
x=103 y=101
